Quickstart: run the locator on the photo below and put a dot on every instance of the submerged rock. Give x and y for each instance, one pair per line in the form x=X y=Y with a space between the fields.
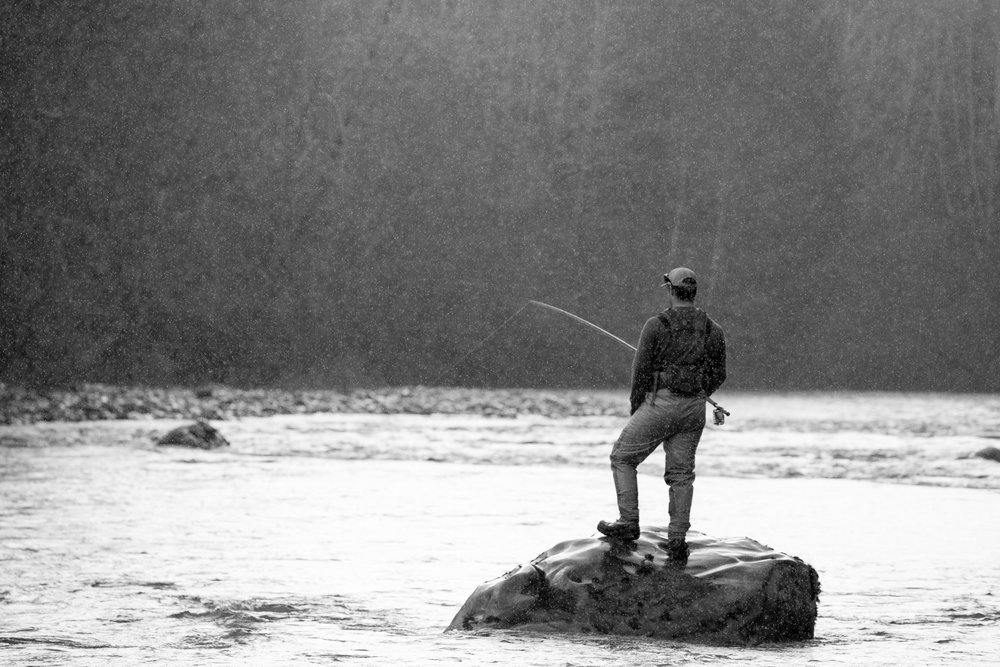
x=201 y=435
x=732 y=591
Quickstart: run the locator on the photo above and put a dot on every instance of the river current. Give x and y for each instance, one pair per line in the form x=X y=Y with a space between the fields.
x=354 y=539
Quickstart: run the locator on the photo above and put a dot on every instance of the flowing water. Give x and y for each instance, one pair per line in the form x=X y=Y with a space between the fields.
x=354 y=539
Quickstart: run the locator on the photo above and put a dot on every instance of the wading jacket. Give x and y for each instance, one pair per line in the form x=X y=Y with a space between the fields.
x=681 y=349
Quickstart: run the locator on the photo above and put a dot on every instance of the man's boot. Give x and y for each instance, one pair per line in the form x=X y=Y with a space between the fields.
x=677 y=550
x=619 y=530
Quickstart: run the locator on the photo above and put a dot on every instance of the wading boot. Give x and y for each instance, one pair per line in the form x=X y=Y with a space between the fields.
x=619 y=530
x=677 y=551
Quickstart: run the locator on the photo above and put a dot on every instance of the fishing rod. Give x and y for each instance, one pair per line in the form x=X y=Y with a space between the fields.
x=607 y=333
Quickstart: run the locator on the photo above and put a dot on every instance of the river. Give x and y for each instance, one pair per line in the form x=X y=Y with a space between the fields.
x=355 y=538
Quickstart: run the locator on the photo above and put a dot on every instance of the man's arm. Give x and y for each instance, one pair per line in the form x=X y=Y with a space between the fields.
x=643 y=364
x=715 y=359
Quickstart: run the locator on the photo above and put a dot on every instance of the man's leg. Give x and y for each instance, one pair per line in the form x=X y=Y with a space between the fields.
x=645 y=430
x=679 y=451
x=625 y=458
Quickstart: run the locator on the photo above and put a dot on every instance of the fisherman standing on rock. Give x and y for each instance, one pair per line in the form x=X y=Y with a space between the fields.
x=679 y=362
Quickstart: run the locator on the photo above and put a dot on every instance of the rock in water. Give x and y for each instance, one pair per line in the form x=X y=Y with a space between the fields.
x=989 y=453
x=733 y=591
x=201 y=434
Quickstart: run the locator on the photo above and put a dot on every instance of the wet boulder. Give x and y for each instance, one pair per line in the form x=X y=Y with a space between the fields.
x=732 y=591
x=200 y=435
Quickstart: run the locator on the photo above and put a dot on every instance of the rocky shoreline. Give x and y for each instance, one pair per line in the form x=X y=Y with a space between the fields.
x=93 y=402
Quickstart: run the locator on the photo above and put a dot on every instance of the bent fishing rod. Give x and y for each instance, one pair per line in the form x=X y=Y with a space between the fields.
x=610 y=335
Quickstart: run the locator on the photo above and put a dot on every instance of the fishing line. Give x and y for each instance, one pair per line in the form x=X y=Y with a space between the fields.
x=481 y=343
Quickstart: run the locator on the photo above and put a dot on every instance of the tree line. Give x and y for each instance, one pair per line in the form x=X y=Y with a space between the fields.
x=345 y=192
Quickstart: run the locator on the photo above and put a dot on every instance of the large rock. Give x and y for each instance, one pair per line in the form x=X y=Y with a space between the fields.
x=200 y=435
x=734 y=591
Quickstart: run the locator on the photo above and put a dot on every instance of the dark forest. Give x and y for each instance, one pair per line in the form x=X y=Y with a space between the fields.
x=342 y=193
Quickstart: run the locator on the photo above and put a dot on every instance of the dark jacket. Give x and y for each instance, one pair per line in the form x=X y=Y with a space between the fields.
x=654 y=346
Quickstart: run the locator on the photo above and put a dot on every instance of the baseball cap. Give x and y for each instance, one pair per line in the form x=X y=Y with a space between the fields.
x=679 y=276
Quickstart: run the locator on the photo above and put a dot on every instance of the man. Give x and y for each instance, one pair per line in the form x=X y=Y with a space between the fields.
x=680 y=360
